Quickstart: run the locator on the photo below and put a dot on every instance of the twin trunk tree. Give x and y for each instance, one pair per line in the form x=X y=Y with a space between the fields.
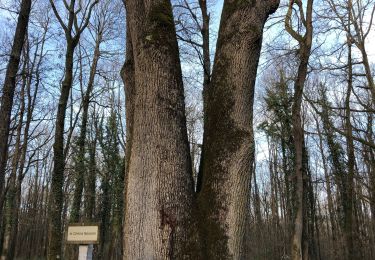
x=164 y=218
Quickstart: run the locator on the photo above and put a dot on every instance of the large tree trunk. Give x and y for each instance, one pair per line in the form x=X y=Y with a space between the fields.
x=228 y=132
x=159 y=186
x=8 y=90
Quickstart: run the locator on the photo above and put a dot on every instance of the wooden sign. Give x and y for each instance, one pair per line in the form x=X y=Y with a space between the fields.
x=84 y=234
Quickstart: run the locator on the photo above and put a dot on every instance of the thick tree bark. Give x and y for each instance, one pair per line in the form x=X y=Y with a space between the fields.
x=8 y=90
x=228 y=132
x=231 y=94
x=159 y=186
x=128 y=77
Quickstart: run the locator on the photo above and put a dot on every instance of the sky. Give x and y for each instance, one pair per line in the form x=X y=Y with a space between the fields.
x=371 y=37
x=370 y=43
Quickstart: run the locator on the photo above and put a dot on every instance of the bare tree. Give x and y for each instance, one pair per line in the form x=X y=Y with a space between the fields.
x=73 y=30
x=8 y=90
x=356 y=19
x=305 y=42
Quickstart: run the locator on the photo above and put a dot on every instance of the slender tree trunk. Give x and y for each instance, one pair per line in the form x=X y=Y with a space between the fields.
x=273 y=182
x=331 y=214
x=298 y=133
x=15 y=216
x=8 y=91
x=57 y=196
x=349 y=203
x=205 y=32
x=105 y=213
x=90 y=189
x=359 y=41
x=310 y=246
x=31 y=97
x=11 y=195
x=305 y=43
x=369 y=158
x=80 y=167
x=339 y=171
x=228 y=132
x=287 y=170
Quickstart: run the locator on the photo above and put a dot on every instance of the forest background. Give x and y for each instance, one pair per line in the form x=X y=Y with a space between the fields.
x=337 y=115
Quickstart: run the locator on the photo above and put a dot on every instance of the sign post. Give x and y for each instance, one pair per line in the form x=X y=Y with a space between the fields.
x=85 y=252
x=84 y=235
